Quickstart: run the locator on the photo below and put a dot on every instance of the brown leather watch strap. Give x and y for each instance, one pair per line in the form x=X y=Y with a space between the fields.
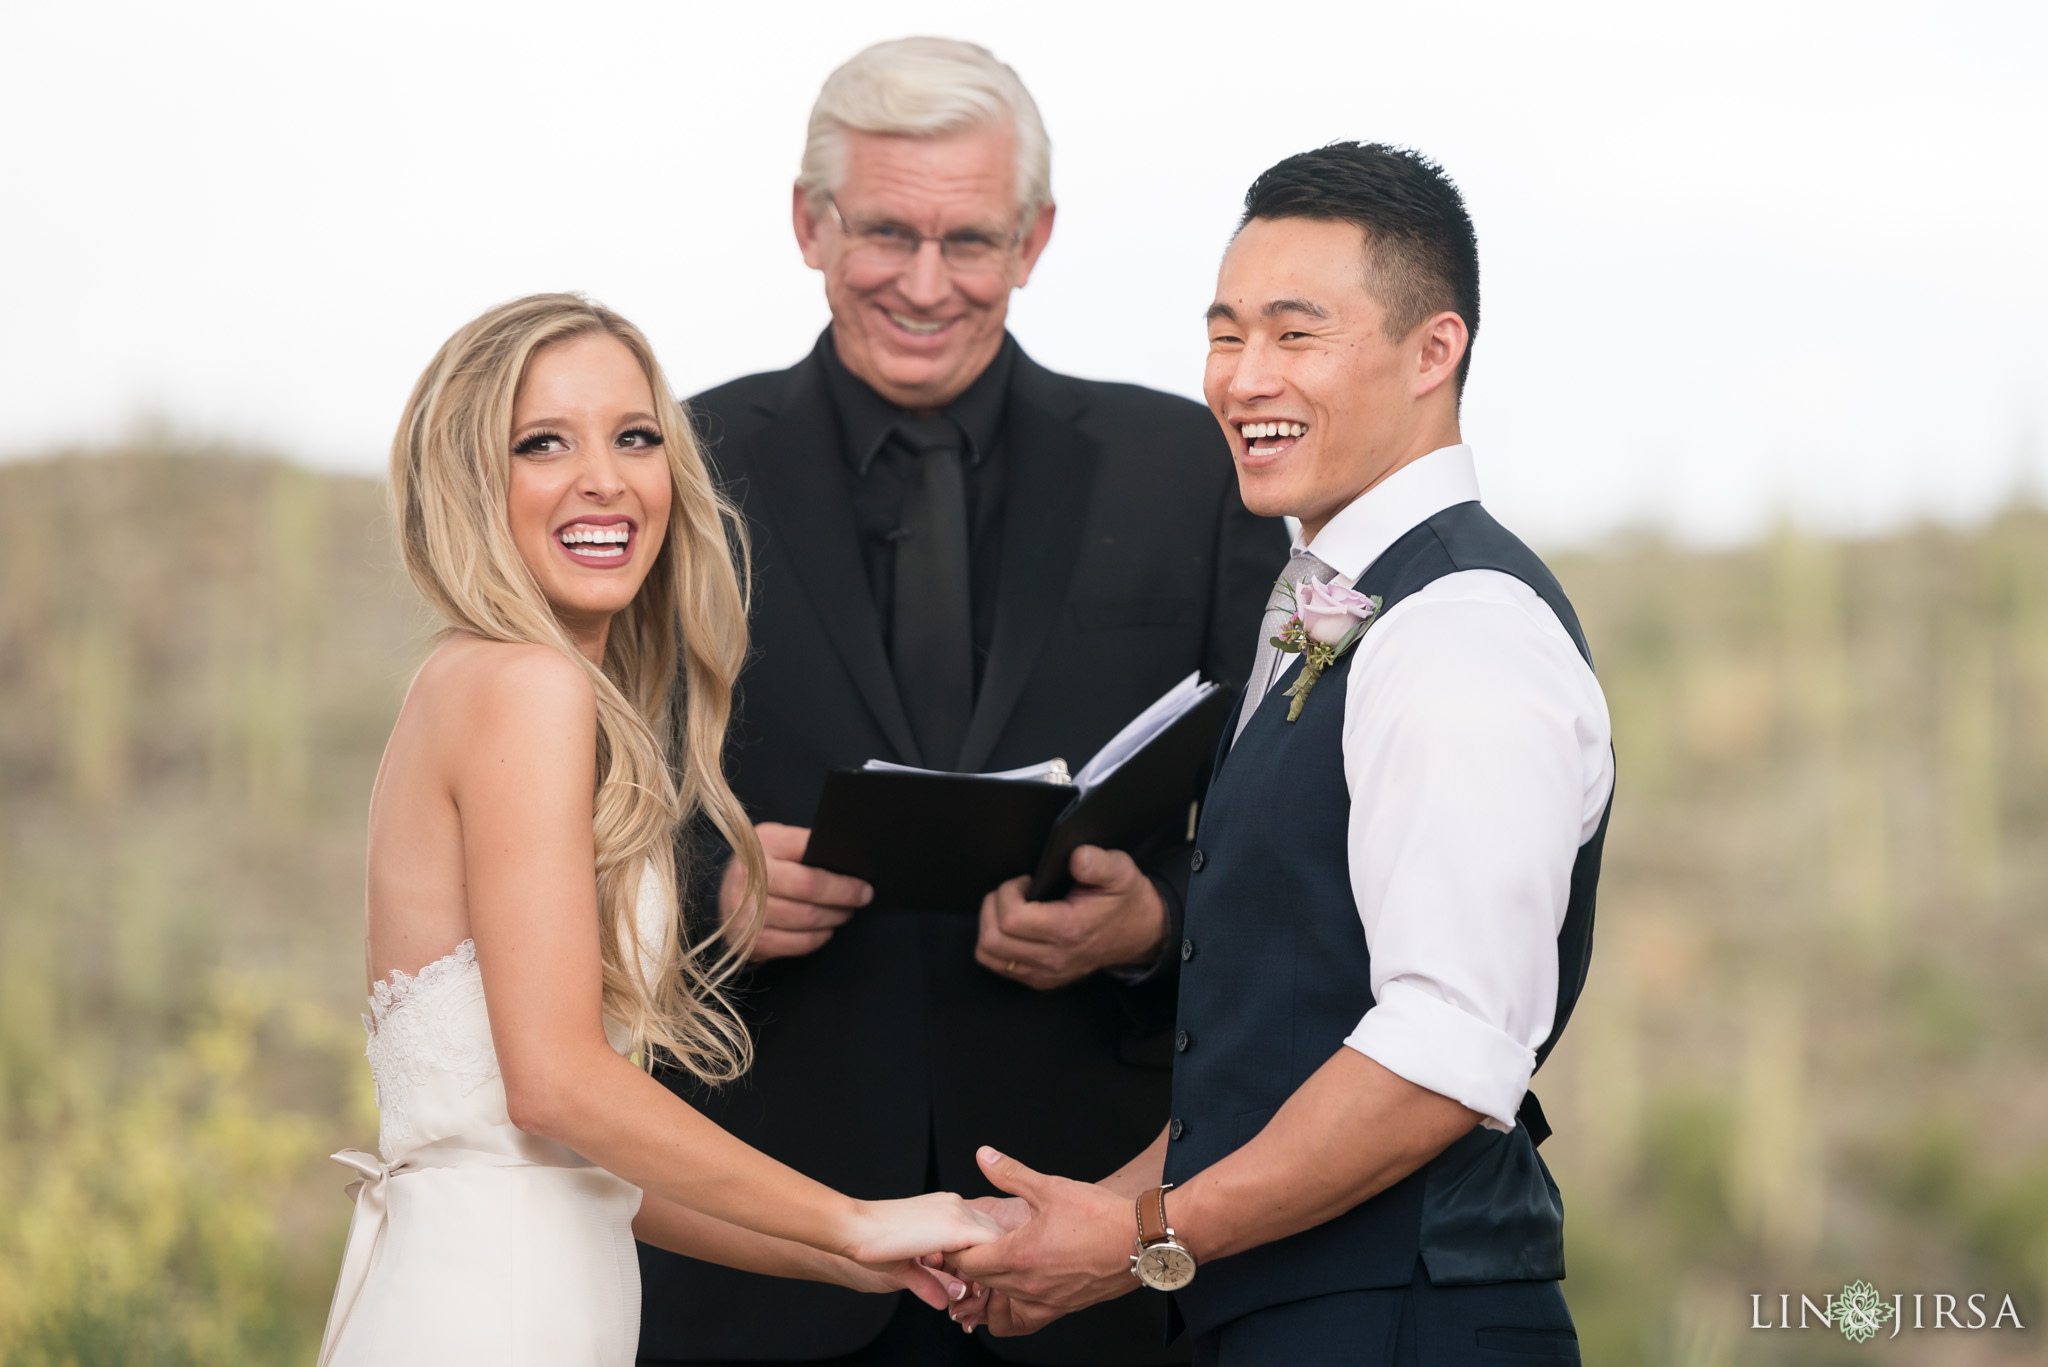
x=1152 y=1226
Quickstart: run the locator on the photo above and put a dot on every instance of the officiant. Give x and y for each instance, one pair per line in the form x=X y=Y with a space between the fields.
x=962 y=561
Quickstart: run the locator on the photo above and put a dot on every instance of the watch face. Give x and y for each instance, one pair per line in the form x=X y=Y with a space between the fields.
x=1166 y=1267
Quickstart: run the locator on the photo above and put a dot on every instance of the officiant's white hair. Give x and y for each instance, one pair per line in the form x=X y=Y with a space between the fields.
x=922 y=88
x=665 y=688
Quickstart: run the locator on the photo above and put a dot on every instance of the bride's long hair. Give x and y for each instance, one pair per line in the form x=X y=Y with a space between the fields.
x=660 y=737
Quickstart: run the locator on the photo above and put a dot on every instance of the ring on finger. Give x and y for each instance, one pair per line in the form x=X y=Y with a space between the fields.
x=1010 y=967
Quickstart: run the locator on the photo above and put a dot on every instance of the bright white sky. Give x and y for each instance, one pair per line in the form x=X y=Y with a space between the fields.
x=1739 y=259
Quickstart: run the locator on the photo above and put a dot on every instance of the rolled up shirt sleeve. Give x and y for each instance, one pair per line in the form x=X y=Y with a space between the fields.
x=1476 y=751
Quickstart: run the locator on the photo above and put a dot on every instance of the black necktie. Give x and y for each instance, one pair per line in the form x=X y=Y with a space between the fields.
x=931 y=625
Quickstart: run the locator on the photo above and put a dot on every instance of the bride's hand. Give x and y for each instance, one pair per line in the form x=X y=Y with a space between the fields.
x=887 y=1232
x=897 y=1243
x=1008 y=1211
x=921 y=1277
x=971 y=1310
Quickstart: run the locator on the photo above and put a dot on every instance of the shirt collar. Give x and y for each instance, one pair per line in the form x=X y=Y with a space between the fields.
x=866 y=418
x=1365 y=527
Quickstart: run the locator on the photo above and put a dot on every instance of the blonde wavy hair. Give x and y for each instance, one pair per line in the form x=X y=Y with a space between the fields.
x=660 y=731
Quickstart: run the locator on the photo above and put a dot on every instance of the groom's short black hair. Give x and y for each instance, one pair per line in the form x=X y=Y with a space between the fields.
x=1422 y=256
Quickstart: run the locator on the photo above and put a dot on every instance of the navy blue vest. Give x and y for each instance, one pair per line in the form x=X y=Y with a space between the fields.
x=1275 y=974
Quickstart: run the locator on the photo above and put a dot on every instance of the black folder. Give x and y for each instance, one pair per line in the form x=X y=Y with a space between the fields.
x=939 y=842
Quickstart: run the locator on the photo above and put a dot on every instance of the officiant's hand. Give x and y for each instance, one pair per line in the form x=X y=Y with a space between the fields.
x=1114 y=918
x=805 y=905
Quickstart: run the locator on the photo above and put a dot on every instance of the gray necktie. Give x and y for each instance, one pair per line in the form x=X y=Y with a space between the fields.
x=1279 y=607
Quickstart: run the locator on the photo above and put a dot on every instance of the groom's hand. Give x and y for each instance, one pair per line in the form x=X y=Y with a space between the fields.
x=1114 y=918
x=1074 y=1251
x=805 y=905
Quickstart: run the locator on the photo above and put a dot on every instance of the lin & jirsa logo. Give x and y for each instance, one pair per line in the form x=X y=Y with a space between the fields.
x=1860 y=1312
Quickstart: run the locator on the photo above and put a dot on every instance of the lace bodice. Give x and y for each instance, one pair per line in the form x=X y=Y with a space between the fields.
x=430 y=1049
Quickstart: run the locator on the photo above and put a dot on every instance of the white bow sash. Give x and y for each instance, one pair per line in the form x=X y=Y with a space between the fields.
x=500 y=1146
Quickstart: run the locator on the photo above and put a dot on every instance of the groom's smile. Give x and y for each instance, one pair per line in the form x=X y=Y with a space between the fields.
x=1270 y=437
x=1318 y=401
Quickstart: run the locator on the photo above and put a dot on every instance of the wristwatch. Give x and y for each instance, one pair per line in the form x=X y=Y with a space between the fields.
x=1162 y=1261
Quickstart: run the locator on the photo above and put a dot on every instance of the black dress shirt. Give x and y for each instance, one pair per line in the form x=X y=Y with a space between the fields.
x=879 y=474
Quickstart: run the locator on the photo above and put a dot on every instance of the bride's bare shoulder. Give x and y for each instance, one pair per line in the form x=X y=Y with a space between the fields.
x=472 y=682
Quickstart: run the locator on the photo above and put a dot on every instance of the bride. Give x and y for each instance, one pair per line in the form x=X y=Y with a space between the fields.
x=523 y=931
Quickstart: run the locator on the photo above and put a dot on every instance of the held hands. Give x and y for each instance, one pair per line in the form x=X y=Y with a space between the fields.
x=923 y=1278
x=937 y=1222
x=805 y=905
x=900 y=1244
x=1069 y=1246
x=972 y=1309
x=1113 y=918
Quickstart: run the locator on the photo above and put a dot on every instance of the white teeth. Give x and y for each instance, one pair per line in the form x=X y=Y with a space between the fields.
x=920 y=327
x=603 y=541
x=1256 y=431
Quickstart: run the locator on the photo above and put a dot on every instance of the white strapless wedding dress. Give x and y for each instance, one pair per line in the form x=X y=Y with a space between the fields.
x=473 y=1241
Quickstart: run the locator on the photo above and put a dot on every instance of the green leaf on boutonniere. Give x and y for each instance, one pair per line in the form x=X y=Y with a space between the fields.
x=1316 y=656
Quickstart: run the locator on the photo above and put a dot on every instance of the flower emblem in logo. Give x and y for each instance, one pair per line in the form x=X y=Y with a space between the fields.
x=1861 y=1312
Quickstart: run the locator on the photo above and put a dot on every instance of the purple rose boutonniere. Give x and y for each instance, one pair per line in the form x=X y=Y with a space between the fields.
x=1327 y=621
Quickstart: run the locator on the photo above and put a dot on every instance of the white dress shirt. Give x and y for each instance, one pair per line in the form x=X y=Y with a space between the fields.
x=1476 y=751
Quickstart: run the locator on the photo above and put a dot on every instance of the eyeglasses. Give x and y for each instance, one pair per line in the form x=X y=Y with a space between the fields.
x=897 y=245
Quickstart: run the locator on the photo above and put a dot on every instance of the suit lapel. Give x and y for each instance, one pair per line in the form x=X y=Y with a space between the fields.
x=1052 y=470
x=802 y=479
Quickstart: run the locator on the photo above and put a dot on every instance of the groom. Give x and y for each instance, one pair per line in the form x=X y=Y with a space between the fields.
x=1391 y=910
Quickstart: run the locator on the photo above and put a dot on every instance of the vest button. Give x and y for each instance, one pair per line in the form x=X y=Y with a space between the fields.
x=1178 y=1128
x=1181 y=1042
x=1187 y=950
x=1197 y=862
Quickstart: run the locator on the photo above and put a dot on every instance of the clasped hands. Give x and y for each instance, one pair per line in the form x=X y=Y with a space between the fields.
x=1015 y=1263
x=1114 y=917
x=1068 y=1246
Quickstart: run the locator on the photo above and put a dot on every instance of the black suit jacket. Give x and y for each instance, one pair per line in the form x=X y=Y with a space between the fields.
x=1127 y=561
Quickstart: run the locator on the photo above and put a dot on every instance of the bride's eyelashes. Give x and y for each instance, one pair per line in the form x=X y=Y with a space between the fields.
x=546 y=443
x=541 y=443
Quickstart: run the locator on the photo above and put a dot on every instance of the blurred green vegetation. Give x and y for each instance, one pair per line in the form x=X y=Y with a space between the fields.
x=1814 y=1047
x=200 y=654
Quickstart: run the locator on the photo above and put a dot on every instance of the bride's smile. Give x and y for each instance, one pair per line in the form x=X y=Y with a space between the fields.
x=604 y=543
x=589 y=491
